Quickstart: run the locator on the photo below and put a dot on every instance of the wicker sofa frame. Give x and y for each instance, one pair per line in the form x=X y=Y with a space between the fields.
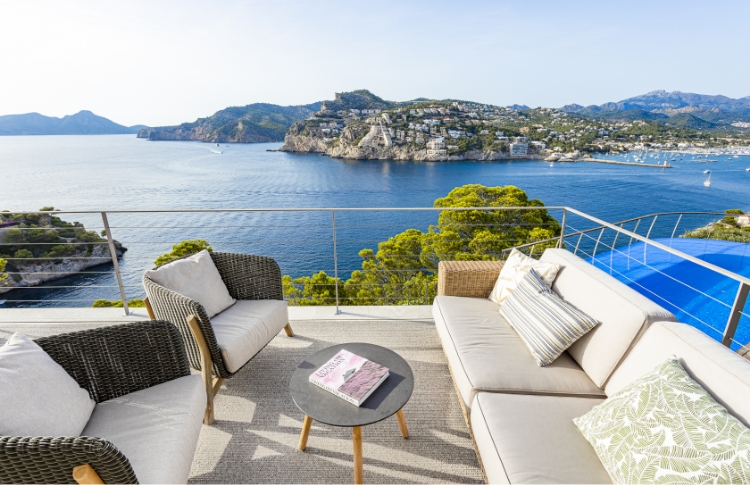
x=247 y=277
x=108 y=362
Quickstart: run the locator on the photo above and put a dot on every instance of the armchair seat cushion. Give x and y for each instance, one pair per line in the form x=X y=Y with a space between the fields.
x=156 y=428
x=243 y=329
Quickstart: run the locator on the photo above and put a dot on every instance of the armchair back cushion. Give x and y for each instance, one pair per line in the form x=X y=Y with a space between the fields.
x=197 y=278
x=37 y=396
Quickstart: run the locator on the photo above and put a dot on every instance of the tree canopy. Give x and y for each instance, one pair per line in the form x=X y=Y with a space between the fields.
x=184 y=248
x=403 y=270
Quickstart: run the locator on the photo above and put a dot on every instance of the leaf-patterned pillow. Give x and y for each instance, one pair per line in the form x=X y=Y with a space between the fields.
x=665 y=428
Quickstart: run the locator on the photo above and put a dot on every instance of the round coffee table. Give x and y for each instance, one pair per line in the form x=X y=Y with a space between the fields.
x=324 y=407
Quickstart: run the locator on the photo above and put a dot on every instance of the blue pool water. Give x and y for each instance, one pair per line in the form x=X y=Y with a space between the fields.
x=697 y=296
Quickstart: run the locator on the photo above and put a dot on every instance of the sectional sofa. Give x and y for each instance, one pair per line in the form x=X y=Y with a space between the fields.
x=520 y=414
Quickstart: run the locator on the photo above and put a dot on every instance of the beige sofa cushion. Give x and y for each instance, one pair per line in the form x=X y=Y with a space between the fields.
x=532 y=439
x=485 y=353
x=623 y=313
x=243 y=329
x=197 y=278
x=156 y=428
x=721 y=372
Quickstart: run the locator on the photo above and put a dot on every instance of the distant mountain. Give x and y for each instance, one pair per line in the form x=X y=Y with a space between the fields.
x=81 y=123
x=519 y=107
x=259 y=122
x=684 y=110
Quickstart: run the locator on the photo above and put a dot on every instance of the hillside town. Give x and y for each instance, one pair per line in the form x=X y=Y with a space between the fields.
x=449 y=130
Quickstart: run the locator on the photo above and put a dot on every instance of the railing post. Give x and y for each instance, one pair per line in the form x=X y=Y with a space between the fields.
x=562 y=231
x=735 y=314
x=593 y=256
x=675 y=226
x=335 y=262
x=635 y=230
x=578 y=243
x=648 y=234
x=115 y=263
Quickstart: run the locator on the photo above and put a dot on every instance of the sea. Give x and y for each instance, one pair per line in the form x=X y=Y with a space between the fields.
x=122 y=173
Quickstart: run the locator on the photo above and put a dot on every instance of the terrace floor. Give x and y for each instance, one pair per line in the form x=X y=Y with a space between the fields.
x=254 y=438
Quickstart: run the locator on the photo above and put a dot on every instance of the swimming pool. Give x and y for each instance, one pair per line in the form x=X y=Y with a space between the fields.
x=696 y=295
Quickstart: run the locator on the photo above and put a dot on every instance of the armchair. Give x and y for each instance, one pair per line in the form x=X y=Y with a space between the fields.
x=221 y=345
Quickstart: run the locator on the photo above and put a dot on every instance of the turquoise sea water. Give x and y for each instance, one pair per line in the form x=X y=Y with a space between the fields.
x=124 y=173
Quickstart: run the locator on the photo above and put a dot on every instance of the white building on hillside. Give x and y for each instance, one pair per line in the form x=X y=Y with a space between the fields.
x=436 y=146
x=519 y=149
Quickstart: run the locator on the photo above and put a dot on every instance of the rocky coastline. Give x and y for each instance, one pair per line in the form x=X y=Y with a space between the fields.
x=40 y=248
x=312 y=144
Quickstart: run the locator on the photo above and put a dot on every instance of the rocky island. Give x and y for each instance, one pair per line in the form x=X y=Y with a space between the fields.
x=38 y=248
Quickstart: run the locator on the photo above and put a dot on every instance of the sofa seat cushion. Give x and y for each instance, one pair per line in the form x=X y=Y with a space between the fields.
x=243 y=329
x=157 y=428
x=525 y=438
x=623 y=313
x=486 y=354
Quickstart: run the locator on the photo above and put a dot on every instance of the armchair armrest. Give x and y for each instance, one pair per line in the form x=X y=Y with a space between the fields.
x=113 y=361
x=176 y=308
x=249 y=277
x=467 y=278
x=51 y=460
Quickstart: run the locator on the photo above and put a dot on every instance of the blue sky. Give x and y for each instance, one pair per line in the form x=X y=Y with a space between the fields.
x=167 y=62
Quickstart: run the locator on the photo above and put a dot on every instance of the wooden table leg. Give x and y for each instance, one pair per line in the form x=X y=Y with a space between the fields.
x=306 y=424
x=402 y=423
x=357 y=444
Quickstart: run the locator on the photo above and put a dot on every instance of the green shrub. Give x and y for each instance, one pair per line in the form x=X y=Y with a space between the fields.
x=104 y=303
x=185 y=248
x=737 y=212
x=23 y=253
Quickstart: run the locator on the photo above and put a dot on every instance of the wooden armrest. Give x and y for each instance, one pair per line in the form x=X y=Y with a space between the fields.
x=467 y=278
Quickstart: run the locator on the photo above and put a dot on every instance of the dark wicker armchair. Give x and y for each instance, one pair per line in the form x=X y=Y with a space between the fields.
x=247 y=277
x=108 y=362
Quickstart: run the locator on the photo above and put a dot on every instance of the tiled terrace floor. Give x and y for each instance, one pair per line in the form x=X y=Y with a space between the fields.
x=257 y=425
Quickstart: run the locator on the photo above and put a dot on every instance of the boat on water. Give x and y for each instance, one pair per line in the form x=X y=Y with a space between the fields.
x=707 y=182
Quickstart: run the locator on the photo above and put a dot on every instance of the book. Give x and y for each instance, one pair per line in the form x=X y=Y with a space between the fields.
x=350 y=377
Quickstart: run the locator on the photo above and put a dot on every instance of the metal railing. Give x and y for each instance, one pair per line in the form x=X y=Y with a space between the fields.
x=303 y=243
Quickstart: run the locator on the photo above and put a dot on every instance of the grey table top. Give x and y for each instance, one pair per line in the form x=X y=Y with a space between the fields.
x=324 y=407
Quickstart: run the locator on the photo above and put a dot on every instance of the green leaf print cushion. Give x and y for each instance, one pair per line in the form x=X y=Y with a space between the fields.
x=665 y=428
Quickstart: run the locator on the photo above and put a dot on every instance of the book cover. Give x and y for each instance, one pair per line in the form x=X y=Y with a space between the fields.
x=350 y=377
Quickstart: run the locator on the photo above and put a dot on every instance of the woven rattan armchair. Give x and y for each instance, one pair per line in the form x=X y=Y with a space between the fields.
x=108 y=362
x=247 y=277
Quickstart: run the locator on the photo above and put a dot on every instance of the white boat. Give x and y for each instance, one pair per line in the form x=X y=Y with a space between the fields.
x=707 y=182
x=747 y=169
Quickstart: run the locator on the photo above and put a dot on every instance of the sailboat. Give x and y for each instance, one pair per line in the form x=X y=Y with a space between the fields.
x=707 y=182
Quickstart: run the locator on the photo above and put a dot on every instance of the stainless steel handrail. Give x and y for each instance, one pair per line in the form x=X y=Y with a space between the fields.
x=601 y=225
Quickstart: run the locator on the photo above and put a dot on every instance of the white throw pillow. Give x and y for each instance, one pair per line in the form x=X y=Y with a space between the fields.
x=515 y=267
x=197 y=278
x=37 y=396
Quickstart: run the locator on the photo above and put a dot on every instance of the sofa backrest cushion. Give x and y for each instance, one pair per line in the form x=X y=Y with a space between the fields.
x=721 y=372
x=37 y=396
x=623 y=313
x=197 y=278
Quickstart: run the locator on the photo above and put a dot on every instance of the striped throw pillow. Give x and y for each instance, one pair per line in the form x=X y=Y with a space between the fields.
x=546 y=323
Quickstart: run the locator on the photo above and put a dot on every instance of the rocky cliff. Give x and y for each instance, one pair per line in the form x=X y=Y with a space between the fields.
x=38 y=248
